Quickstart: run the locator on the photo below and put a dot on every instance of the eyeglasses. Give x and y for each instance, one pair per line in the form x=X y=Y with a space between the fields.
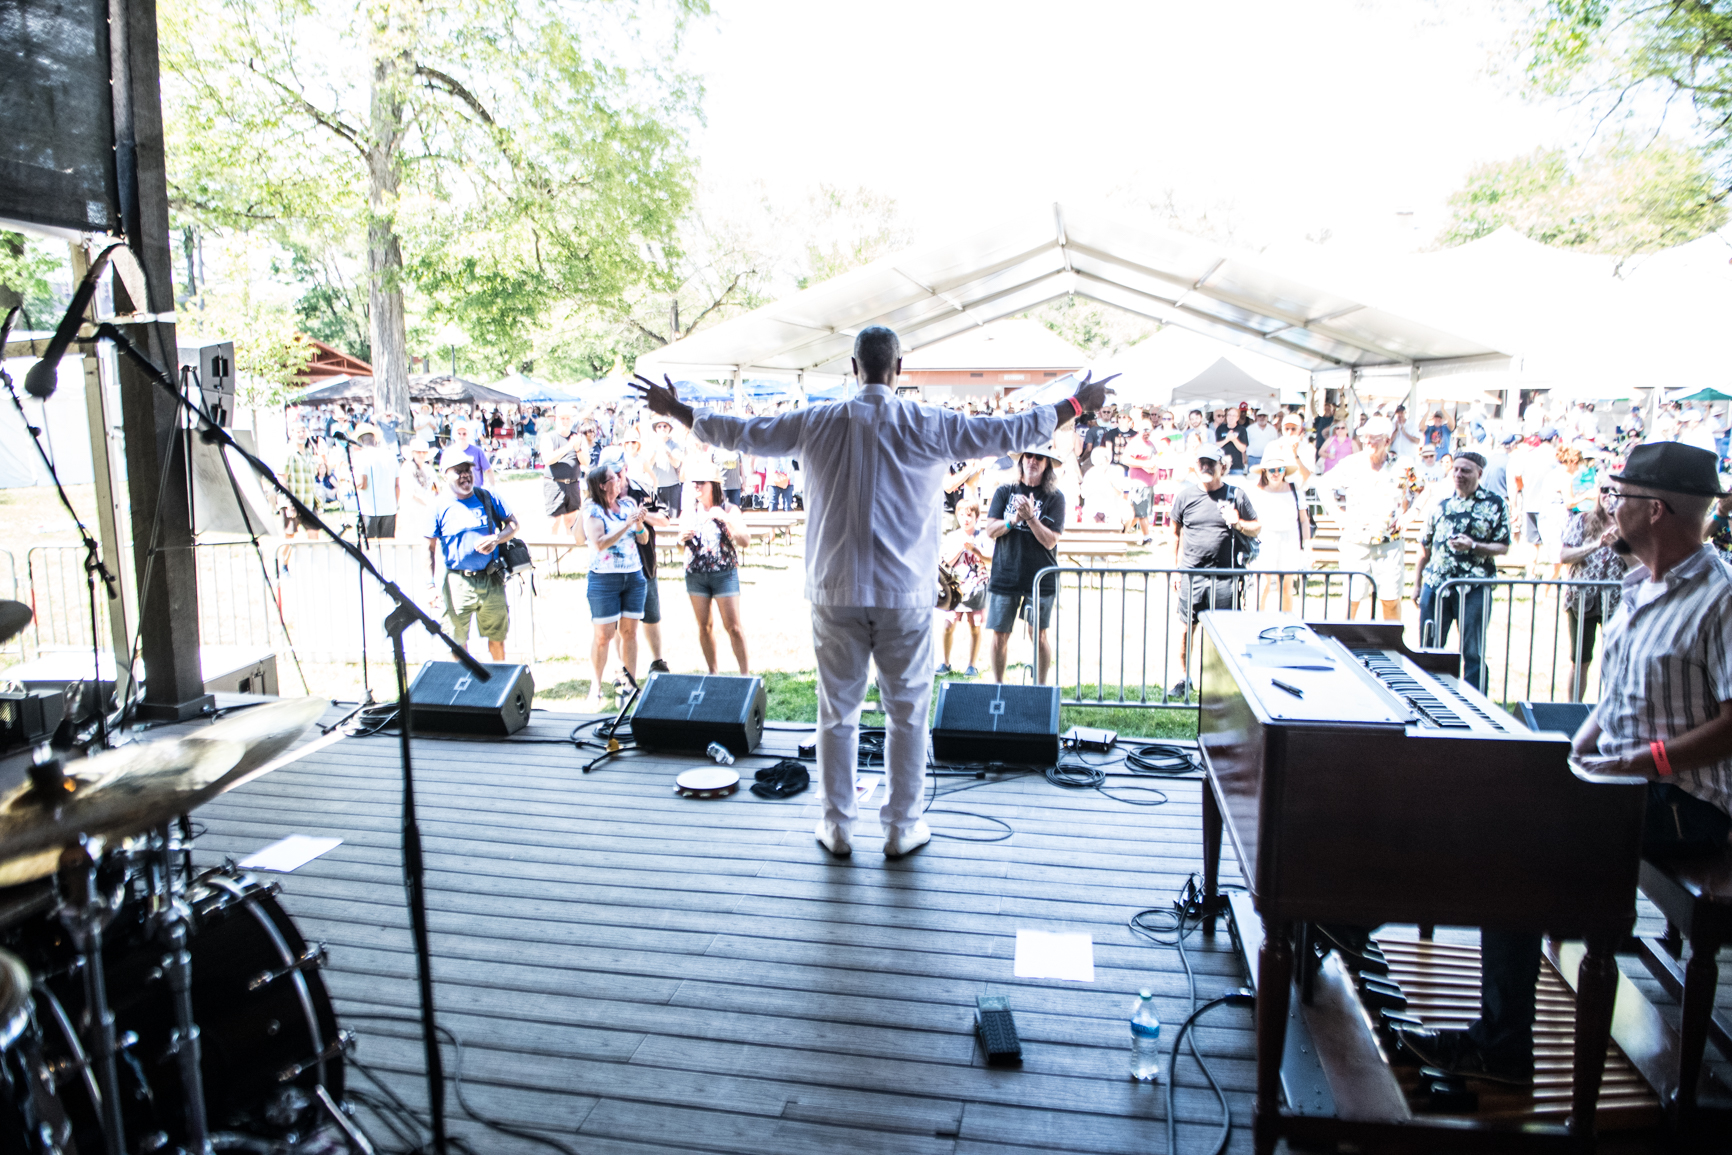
x=1614 y=499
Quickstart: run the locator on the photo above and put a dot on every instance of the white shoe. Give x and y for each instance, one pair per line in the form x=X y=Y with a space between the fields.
x=907 y=841
x=834 y=838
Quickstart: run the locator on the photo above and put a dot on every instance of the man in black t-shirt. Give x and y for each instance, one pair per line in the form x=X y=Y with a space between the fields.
x=1025 y=521
x=1207 y=516
x=1320 y=425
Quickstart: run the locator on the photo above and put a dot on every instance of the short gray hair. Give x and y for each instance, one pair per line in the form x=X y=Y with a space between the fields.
x=876 y=350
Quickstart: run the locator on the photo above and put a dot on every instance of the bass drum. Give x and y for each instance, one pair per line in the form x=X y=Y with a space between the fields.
x=267 y=1033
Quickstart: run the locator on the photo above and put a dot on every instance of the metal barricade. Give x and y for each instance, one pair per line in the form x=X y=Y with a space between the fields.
x=59 y=597
x=1532 y=634
x=1125 y=626
x=9 y=591
x=331 y=605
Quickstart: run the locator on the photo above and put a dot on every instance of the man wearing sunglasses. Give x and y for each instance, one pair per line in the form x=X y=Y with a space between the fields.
x=1665 y=714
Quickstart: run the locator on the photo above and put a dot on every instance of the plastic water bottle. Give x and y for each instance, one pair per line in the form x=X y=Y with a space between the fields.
x=719 y=753
x=1145 y=1039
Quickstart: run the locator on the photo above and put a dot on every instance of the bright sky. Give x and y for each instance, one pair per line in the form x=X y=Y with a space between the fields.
x=1327 y=114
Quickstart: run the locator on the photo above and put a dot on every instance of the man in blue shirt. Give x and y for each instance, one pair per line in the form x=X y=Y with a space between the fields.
x=468 y=530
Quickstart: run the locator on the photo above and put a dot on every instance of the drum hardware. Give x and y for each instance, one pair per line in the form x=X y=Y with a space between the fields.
x=345 y=1124
x=315 y=956
x=84 y=914
x=172 y=917
x=341 y=1045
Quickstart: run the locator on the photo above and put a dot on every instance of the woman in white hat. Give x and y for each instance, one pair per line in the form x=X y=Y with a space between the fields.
x=1286 y=526
x=714 y=532
x=417 y=491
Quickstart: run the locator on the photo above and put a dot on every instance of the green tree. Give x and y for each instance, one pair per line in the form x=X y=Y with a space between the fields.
x=1620 y=200
x=1093 y=327
x=503 y=158
x=1641 y=58
x=27 y=265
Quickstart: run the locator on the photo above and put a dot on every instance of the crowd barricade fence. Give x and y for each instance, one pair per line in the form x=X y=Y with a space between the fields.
x=1117 y=636
x=1535 y=635
x=10 y=591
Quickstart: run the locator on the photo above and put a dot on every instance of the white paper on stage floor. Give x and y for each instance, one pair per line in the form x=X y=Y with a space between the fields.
x=867 y=796
x=1043 y=954
x=1291 y=656
x=290 y=853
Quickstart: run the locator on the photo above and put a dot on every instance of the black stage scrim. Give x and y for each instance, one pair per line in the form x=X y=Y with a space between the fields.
x=56 y=115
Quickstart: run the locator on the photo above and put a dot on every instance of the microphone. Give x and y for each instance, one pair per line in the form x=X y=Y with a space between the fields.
x=43 y=375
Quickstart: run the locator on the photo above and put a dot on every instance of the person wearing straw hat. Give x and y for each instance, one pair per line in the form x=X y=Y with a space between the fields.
x=874 y=469
x=376 y=477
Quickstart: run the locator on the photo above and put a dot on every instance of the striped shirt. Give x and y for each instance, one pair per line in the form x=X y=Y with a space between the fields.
x=1668 y=666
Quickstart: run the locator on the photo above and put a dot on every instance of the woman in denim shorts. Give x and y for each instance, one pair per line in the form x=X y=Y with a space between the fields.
x=613 y=525
x=713 y=531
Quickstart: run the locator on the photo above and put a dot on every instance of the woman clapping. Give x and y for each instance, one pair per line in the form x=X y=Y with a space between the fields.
x=713 y=532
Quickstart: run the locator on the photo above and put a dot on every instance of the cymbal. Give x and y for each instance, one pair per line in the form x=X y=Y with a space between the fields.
x=264 y=731
x=14 y=616
x=114 y=795
x=14 y=998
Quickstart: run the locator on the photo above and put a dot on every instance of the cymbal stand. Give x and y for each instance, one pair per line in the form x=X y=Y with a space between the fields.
x=407 y=613
x=84 y=912
x=172 y=919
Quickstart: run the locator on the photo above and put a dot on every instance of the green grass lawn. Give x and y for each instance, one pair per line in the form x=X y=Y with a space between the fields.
x=793 y=697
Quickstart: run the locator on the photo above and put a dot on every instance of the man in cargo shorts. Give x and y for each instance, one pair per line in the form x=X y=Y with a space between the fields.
x=468 y=529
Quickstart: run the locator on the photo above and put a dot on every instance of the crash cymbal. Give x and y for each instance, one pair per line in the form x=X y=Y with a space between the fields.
x=14 y=616
x=114 y=795
x=14 y=998
x=264 y=731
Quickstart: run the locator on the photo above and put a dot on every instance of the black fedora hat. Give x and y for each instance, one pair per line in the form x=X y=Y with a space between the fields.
x=1673 y=467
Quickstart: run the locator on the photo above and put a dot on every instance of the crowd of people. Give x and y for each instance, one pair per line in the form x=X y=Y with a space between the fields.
x=1222 y=486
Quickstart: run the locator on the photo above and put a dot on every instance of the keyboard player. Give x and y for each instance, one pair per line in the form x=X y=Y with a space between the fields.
x=1665 y=713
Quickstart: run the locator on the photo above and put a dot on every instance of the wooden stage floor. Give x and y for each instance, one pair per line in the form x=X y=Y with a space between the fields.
x=633 y=973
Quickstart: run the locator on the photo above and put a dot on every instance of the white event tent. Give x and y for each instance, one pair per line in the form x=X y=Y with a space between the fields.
x=928 y=294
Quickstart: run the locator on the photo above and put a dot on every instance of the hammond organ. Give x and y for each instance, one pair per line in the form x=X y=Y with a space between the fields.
x=1362 y=783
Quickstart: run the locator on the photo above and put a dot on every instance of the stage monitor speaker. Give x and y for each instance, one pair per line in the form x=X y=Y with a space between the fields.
x=684 y=713
x=984 y=722
x=450 y=700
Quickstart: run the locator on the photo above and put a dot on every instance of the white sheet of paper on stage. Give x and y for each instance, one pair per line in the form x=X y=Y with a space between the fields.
x=867 y=795
x=289 y=853
x=1291 y=656
x=1044 y=954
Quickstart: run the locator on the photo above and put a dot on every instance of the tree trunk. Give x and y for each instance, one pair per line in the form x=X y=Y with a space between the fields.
x=393 y=69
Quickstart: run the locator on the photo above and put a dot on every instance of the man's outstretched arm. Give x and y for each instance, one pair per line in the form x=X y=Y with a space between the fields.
x=777 y=436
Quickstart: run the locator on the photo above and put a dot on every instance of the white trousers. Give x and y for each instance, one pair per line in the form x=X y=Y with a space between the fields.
x=847 y=639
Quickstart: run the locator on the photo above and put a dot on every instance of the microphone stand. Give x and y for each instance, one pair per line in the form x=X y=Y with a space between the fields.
x=407 y=613
x=361 y=536
x=94 y=567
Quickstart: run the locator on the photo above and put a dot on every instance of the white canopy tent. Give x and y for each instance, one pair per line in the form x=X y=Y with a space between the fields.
x=1581 y=325
x=1162 y=369
x=928 y=294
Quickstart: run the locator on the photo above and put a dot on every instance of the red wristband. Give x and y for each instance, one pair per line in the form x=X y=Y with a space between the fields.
x=1661 y=763
x=1076 y=405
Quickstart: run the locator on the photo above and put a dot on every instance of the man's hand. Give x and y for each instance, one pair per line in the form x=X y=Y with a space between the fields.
x=1461 y=543
x=1092 y=394
x=664 y=399
x=487 y=544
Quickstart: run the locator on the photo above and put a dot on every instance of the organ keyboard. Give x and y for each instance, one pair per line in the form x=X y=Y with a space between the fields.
x=1361 y=783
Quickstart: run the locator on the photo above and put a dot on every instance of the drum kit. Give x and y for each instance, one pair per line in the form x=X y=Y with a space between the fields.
x=146 y=1007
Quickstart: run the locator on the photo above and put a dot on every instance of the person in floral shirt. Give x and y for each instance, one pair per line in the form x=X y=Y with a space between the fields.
x=1464 y=536
x=1586 y=547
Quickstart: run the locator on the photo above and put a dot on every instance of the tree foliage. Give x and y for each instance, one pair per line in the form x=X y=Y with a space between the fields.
x=1624 y=55
x=27 y=267
x=738 y=248
x=496 y=165
x=1620 y=200
x=1095 y=328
